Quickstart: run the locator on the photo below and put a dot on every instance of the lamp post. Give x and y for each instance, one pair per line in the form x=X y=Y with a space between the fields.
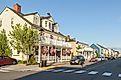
x=40 y=53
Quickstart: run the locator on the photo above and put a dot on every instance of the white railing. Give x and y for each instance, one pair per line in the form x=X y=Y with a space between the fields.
x=55 y=42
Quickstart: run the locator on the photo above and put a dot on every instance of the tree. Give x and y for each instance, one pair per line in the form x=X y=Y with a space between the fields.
x=4 y=46
x=78 y=47
x=23 y=39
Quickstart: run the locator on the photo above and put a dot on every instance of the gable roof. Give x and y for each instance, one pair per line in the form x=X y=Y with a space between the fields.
x=102 y=46
x=20 y=15
x=81 y=43
x=30 y=14
x=36 y=26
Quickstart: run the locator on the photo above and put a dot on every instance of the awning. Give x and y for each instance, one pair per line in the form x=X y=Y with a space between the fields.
x=88 y=49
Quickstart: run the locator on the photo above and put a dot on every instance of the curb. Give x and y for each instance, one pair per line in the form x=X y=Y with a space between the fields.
x=50 y=67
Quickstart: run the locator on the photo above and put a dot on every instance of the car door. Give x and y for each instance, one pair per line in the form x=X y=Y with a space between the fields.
x=7 y=60
x=1 y=61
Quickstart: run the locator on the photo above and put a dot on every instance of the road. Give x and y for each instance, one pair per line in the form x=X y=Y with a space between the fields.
x=107 y=70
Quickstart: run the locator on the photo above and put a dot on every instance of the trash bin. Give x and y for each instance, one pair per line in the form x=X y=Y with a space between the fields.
x=44 y=63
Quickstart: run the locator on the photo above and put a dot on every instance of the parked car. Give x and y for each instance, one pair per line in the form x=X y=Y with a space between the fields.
x=77 y=60
x=5 y=60
x=111 y=58
x=93 y=60
x=101 y=58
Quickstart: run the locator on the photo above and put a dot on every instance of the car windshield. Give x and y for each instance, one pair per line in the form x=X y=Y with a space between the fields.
x=77 y=57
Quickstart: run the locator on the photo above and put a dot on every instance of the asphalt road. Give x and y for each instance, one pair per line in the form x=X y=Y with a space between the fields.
x=107 y=70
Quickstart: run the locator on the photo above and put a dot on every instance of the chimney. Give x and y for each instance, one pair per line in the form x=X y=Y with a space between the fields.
x=17 y=8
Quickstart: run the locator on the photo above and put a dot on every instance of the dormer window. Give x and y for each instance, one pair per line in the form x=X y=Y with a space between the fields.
x=49 y=25
x=53 y=29
x=45 y=23
x=0 y=23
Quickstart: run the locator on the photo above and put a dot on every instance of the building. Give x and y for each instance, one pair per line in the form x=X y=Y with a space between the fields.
x=104 y=50
x=53 y=43
x=99 y=49
x=83 y=49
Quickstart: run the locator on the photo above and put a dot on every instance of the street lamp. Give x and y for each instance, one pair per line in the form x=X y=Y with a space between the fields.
x=40 y=42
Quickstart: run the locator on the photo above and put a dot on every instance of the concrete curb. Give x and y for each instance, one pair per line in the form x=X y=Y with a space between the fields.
x=50 y=67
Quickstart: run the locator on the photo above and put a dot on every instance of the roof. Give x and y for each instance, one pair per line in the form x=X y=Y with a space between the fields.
x=45 y=17
x=81 y=43
x=30 y=14
x=102 y=46
x=20 y=15
x=36 y=26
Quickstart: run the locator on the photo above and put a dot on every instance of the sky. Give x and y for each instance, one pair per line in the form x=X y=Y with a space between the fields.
x=89 y=21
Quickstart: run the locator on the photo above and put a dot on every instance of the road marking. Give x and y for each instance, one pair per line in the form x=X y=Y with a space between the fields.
x=7 y=68
x=81 y=71
x=4 y=70
x=119 y=75
x=107 y=74
x=67 y=71
x=57 y=70
x=93 y=72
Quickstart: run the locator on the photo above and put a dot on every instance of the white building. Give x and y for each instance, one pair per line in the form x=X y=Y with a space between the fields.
x=52 y=39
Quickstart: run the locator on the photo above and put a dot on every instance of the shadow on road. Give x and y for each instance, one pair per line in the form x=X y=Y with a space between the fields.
x=39 y=75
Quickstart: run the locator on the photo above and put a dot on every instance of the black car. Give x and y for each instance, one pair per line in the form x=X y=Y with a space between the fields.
x=77 y=60
x=110 y=58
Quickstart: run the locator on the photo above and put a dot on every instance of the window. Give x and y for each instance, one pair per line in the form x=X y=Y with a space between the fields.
x=49 y=25
x=18 y=52
x=45 y=23
x=35 y=20
x=52 y=28
x=11 y=21
x=51 y=37
x=0 y=23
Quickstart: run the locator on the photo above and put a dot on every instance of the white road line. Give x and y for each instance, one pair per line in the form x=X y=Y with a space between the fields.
x=67 y=71
x=107 y=74
x=93 y=72
x=57 y=70
x=4 y=70
x=119 y=75
x=79 y=72
x=7 y=68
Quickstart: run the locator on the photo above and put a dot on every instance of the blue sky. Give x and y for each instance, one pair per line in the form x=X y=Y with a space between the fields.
x=90 y=21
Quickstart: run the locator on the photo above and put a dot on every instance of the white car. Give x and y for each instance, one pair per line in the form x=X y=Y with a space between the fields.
x=101 y=58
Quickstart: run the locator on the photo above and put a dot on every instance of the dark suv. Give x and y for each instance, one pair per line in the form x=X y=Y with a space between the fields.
x=77 y=60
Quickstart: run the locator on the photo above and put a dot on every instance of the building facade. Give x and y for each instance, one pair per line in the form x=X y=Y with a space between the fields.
x=83 y=49
x=53 y=43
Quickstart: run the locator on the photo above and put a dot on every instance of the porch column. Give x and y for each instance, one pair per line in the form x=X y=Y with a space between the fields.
x=48 y=54
x=61 y=56
x=39 y=53
x=55 y=56
x=66 y=55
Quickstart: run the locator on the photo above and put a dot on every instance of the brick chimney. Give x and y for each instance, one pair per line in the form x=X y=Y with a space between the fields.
x=17 y=8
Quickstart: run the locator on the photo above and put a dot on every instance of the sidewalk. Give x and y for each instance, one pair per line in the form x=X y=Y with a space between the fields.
x=23 y=67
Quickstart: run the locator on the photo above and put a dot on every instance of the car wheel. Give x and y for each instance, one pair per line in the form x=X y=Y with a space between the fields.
x=14 y=62
x=80 y=63
x=71 y=64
